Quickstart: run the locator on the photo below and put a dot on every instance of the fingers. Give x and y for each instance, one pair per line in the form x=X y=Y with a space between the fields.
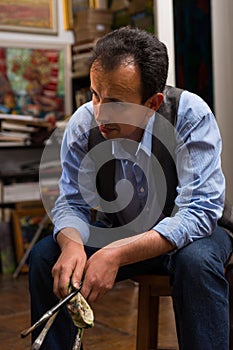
x=96 y=285
x=96 y=294
x=98 y=273
x=67 y=271
x=70 y=264
x=61 y=282
x=99 y=276
x=76 y=278
x=92 y=293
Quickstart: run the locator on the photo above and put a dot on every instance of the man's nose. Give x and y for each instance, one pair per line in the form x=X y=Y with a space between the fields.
x=102 y=113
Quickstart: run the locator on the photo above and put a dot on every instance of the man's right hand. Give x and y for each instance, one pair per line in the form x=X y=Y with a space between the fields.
x=71 y=262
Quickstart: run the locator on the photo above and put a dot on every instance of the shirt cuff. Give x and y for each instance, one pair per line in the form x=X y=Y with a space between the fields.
x=74 y=222
x=168 y=228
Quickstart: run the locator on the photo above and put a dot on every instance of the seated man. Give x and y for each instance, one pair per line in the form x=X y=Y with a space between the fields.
x=147 y=158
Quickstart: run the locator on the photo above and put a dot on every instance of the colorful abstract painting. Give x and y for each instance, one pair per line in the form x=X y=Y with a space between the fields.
x=32 y=81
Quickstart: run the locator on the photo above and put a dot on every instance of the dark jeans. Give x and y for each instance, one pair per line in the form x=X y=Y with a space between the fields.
x=200 y=291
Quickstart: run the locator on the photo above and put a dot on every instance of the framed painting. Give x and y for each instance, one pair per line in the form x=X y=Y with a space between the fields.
x=29 y=16
x=34 y=80
x=25 y=224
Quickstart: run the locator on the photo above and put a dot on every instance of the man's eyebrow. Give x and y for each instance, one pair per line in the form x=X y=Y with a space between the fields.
x=111 y=99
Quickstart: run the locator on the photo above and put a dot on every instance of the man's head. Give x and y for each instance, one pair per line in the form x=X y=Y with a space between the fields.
x=140 y=47
x=130 y=66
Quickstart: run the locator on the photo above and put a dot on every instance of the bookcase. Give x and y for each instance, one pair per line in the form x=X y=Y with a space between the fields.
x=18 y=188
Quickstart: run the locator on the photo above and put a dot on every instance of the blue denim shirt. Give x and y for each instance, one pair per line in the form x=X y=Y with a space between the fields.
x=201 y=183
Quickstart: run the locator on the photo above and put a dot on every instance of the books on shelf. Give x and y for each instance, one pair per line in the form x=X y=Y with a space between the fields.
x=16 y=130
x=21 y=192
x=10 y=126
x=81 y=64
x=24 y=120
x=20 y=138
x=80 y=58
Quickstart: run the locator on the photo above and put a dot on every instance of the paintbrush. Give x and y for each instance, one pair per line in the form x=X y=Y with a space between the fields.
x=39 y=340
x=50 y=312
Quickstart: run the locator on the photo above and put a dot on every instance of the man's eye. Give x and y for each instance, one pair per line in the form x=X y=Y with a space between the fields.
x=93 y=92
x=94 y=95
x=120 y=106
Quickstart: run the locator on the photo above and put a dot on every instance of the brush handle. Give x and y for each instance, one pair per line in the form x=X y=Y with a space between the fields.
x=39 y=340
x=27 y=331
x=50 y=313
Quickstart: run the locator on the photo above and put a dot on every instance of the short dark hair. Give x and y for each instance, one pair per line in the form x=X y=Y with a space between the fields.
x=146 y=50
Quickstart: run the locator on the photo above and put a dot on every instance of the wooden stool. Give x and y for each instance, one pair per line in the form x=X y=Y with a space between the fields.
x=151 y=287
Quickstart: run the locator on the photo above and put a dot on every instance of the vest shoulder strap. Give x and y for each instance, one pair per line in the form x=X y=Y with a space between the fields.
x=164 y=144
x=169 y=106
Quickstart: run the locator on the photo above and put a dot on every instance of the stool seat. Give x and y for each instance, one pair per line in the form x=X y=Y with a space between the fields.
x=159 y=284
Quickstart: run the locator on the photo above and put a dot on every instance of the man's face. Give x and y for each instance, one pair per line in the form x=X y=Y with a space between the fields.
x=116 y=97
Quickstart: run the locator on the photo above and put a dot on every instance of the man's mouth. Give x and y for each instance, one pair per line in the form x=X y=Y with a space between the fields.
x=106 y=128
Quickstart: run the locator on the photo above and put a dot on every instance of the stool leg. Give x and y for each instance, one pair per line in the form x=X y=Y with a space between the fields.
x=147 y=324
x=154 y=322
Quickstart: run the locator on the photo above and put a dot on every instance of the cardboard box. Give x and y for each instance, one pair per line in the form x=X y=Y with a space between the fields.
x=92 y=24
x=93 y=17
x=90 y=33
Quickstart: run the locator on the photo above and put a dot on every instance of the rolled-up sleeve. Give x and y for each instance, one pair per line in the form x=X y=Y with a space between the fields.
x=201 y=183
x=77 y=197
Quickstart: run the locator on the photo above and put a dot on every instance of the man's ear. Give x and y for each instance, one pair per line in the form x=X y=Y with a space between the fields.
x=154 y=102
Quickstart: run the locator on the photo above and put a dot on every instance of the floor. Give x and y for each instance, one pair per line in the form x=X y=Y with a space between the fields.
x=115 y=318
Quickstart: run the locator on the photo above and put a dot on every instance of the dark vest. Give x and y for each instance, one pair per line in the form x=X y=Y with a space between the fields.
x=163 y=148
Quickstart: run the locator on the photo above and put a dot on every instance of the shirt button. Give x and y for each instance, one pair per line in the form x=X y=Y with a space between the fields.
x=142 y=190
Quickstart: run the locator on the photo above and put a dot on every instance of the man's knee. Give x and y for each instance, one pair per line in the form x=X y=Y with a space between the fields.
x=192 y=261
x=45 y=250
x=204 y=255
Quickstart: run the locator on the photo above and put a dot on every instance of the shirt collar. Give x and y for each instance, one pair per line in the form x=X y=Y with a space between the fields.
x=145 y=145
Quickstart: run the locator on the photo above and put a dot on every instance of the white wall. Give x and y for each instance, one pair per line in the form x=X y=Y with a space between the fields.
x=163 y=12
x=222 y=14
